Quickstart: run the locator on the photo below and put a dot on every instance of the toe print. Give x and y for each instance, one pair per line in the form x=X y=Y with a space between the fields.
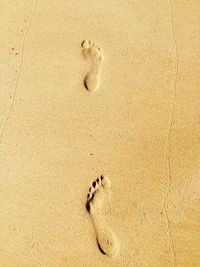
x=94 y=184
x=97 y=197
x=92 y=50
x=89 y=196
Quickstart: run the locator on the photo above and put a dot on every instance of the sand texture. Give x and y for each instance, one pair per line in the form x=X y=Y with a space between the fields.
x=100 y=133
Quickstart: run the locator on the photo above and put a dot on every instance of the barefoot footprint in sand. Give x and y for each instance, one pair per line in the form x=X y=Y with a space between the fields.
x=92 y=50
x=98 y=196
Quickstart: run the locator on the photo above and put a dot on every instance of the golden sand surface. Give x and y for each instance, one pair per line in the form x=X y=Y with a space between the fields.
x=100 y=133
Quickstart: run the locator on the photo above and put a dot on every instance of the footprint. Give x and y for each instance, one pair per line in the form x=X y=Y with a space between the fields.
x=92 y=50
x=98 y=196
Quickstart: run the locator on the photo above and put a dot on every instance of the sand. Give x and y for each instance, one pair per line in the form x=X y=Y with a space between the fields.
x=91 y=88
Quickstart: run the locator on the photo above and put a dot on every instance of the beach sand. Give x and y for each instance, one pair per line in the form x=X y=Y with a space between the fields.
x=91 y=88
